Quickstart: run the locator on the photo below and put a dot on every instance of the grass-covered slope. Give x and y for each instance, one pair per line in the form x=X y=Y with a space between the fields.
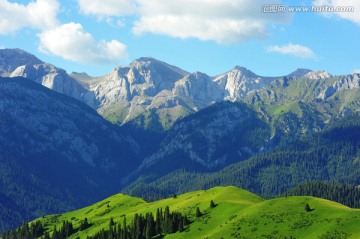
x=238 y=214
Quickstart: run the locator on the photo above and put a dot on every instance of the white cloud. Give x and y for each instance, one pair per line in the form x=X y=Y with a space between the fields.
x=293 y=49
x=101 y=8
x=225 y=21
x=40 y=14
x=351 y=16
x=71 y=42
x=356 y=71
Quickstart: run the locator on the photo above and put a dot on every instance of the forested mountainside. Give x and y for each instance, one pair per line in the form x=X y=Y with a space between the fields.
x=330 y=155
x=56 y=153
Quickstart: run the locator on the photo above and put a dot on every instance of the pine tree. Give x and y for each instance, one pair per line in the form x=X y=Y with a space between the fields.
x=158 y=221
x=46 y=235
x=198 y=213
x=84 y=224
x=56 y=234
x=24 y=231
x=111 y=223
x=125 y=230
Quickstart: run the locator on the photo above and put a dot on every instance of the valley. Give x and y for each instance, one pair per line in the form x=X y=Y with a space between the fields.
x=150 y=128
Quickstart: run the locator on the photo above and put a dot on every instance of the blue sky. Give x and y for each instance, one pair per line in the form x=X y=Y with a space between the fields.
x=210 y=36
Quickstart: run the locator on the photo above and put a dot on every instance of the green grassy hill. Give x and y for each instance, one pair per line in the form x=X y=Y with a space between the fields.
x=238 y=214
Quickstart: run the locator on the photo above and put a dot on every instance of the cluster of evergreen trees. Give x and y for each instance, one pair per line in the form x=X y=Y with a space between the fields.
x=26 y=231
x=145 y=227
x=36 y=230
x=142 y=227
x=66 y=230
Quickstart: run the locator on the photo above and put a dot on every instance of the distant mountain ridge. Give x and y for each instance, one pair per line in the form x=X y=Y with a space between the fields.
x=147 y=88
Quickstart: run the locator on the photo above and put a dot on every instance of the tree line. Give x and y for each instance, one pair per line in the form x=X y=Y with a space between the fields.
x=346 y=194
x=145 y=226
x=142 y=227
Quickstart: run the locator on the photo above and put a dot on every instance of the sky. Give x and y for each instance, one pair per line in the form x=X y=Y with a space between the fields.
x=269 y=37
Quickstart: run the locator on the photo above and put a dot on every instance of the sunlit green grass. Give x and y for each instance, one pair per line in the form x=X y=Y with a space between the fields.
x=238 y=214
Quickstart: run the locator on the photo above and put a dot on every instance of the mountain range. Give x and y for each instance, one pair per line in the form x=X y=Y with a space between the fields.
x=151 y=92
x=148 y=128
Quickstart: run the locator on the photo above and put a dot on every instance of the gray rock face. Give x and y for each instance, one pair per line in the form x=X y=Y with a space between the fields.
x=199 y=88
x=52 y=78
x=318 y=75
x=151 y=87
x=145 y=85
x=237 y=83
x=18 y=63
x=344 y=83
x=148 y=85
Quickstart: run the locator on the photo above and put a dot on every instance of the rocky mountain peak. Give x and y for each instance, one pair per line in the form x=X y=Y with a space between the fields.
x=10 y=59
x=298 y=73
x=244 y=72
x=318 y=75
x=198 y=74
x=198 y=86
x=152 y=64
x=146 y=60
